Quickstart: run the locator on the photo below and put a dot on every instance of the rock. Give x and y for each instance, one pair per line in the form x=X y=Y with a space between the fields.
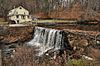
x=88 y=58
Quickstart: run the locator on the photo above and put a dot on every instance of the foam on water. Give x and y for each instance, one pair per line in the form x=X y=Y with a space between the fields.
x=46 y=39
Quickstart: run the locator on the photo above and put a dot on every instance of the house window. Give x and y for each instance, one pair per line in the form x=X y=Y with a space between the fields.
x=24 y=13
x=20 y=8
x=16 y=12
x=28 y=16
x=17 y=16
x=18 y=21
x=23 y=17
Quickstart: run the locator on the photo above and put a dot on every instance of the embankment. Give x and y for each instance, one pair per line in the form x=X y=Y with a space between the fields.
x=83 y=42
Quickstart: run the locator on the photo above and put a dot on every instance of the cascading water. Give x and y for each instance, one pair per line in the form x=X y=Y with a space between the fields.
x=46 y=39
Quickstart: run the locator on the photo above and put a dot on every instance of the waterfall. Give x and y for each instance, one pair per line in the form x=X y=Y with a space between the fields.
x=46 y=39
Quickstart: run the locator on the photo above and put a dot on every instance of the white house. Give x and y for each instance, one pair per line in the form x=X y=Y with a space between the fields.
x=19 y=15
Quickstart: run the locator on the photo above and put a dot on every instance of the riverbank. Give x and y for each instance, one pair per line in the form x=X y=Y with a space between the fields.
x=83 y=42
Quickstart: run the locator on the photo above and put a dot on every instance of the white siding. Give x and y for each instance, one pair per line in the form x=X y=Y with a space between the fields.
x=19 y=15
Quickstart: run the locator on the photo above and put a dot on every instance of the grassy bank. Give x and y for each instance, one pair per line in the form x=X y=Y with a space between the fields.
x=53 y=21
x=2 y=21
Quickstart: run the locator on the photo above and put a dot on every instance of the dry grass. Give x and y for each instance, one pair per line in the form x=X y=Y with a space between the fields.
x=25 y=56
x=2 y=21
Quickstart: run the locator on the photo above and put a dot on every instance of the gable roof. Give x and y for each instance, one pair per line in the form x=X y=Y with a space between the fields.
x=13 y=11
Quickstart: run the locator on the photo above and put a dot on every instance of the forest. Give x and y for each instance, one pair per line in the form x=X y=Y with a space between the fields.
x=84 y=9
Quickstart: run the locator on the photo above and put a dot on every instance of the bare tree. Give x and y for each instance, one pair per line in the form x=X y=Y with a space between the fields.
x=47 y=6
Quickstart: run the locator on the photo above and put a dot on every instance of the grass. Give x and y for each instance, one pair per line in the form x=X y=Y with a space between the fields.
x=52 y=21
x=80 y=62
x=2 y=22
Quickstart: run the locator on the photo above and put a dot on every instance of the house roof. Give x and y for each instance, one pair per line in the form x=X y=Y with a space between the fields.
x=14 y=11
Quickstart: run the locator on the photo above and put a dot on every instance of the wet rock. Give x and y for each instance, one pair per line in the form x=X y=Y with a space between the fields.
x=49 y=39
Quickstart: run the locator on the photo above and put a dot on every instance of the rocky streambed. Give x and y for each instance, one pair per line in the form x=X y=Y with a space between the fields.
x=83 y=43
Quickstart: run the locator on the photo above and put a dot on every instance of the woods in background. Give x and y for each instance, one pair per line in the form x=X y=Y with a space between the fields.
x=47 y=6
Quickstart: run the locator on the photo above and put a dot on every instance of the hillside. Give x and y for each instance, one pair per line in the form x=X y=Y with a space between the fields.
x=75 y=13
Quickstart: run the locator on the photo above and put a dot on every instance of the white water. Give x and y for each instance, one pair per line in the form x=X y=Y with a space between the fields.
x=46 y=39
